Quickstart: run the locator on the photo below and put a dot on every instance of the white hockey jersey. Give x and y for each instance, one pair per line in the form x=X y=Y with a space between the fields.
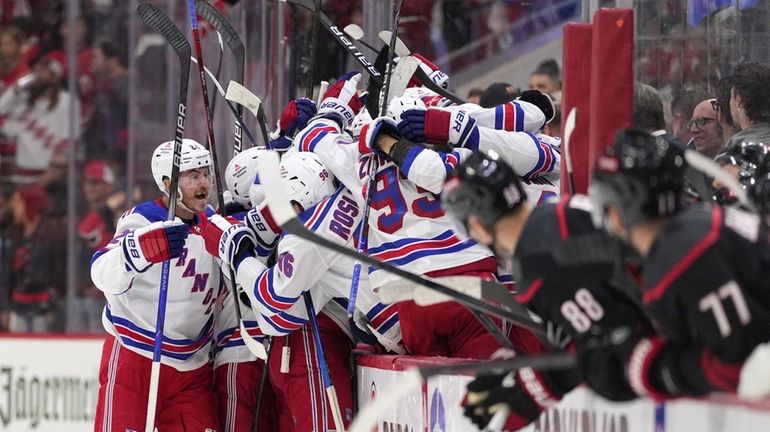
x=407 y=225
x=132 y=298
x=38 y=131
x=276 y=292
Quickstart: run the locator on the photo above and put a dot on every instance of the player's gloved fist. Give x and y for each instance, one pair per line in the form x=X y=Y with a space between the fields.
x=236 y=242
x=367 y=140
x=260 y=222
x=436 y=126
x=540 y=100
x=341 y=102
x=293 y=119
x=603 y=355
x=154 y=243
x=431 y=70
x=489 y=394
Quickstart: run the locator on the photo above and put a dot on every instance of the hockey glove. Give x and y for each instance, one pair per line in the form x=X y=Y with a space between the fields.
x=236 y=242
x=431 y=70
x=439 y=127
x=154 y=243
x=265 y=230
x=540 y=100
x=367 y=141
x=602 y=358
x=293 y=119
x=489 y=394
x=341 y=102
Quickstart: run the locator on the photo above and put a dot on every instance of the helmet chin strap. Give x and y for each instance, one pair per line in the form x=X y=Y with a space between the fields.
x=179 y=202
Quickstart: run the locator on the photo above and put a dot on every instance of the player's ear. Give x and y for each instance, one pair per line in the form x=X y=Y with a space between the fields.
x=478 y=231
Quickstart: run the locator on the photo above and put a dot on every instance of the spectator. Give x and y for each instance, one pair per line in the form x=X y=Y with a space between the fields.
x=106 y=134
x=11 y=65
x=497 y=94
x=474 y=95
x=547 y=79
x=35 y=267
x=85 y=81
x=648 y=117
x=707 y=134
x=722 y=107
x=95 y=230
x=682 y=106
x=749 y=104
x=37 y=120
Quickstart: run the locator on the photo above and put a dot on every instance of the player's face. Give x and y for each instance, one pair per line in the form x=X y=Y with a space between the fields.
x=195 y=186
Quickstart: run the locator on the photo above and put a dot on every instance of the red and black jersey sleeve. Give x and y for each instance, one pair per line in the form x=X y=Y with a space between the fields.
x=701 y=288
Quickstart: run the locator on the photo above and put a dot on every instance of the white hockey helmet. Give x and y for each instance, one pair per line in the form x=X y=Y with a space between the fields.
x=400 y=104
x=240 y=174
x=359 y=121
x=194 y=156
x=307 y=180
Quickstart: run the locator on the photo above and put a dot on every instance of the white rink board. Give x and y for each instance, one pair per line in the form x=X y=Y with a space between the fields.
x=436 y=408
x=48 y=384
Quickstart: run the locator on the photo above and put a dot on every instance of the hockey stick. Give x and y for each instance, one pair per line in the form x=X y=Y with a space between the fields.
x=230 y=105
x=213 y=100
x=421 y=75
x=331 y=392
x=712 y=169
x=569 y=127
x=340 y=37
x=253 y=345
x=401 y=49
x=413 y=378
x=234 y=43
x=356 y=33
x=242 y=96
x=310 y=77
x=284 y=215
x=363 y=235
x=159 y=22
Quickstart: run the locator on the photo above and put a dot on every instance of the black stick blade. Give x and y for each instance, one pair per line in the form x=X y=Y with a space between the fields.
x=223 y=26
x=157 y=19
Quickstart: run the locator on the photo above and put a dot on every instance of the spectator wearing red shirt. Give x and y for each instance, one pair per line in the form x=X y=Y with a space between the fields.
x=36 y=269
x=95 y=230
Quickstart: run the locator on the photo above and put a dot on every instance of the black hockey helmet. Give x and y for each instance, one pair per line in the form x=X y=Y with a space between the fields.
x=759 y=190
x=485 y=187
x=640 y=175
x=746 y=154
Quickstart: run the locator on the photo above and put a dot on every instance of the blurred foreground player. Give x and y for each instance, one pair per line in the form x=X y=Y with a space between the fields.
x=127 y=270
x=568 y=272
x=705 y=273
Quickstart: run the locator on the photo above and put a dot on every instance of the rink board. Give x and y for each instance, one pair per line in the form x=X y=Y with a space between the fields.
x=436 y=407
x=48 y=384
x=51 y=383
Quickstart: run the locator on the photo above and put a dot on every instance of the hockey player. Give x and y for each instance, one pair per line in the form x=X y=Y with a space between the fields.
x=275 y=295
x=568 y=272
x=705 y=270
x=128 y=271
x=407 y=226
x=237 y=372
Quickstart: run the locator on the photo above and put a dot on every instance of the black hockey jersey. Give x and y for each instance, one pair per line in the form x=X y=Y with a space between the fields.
x=573 y=275
x=707 y=286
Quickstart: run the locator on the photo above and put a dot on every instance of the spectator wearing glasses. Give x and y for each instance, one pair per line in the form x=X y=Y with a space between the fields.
x=749 y=104
x=705 y=128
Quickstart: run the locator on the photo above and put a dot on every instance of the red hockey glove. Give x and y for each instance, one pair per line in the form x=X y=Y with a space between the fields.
x=154 y=243
x=341 y=102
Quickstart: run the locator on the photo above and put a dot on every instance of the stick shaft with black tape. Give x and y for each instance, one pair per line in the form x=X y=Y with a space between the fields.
x=159 y=22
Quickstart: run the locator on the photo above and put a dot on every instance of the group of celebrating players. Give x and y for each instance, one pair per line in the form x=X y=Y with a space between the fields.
x=657 y=294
